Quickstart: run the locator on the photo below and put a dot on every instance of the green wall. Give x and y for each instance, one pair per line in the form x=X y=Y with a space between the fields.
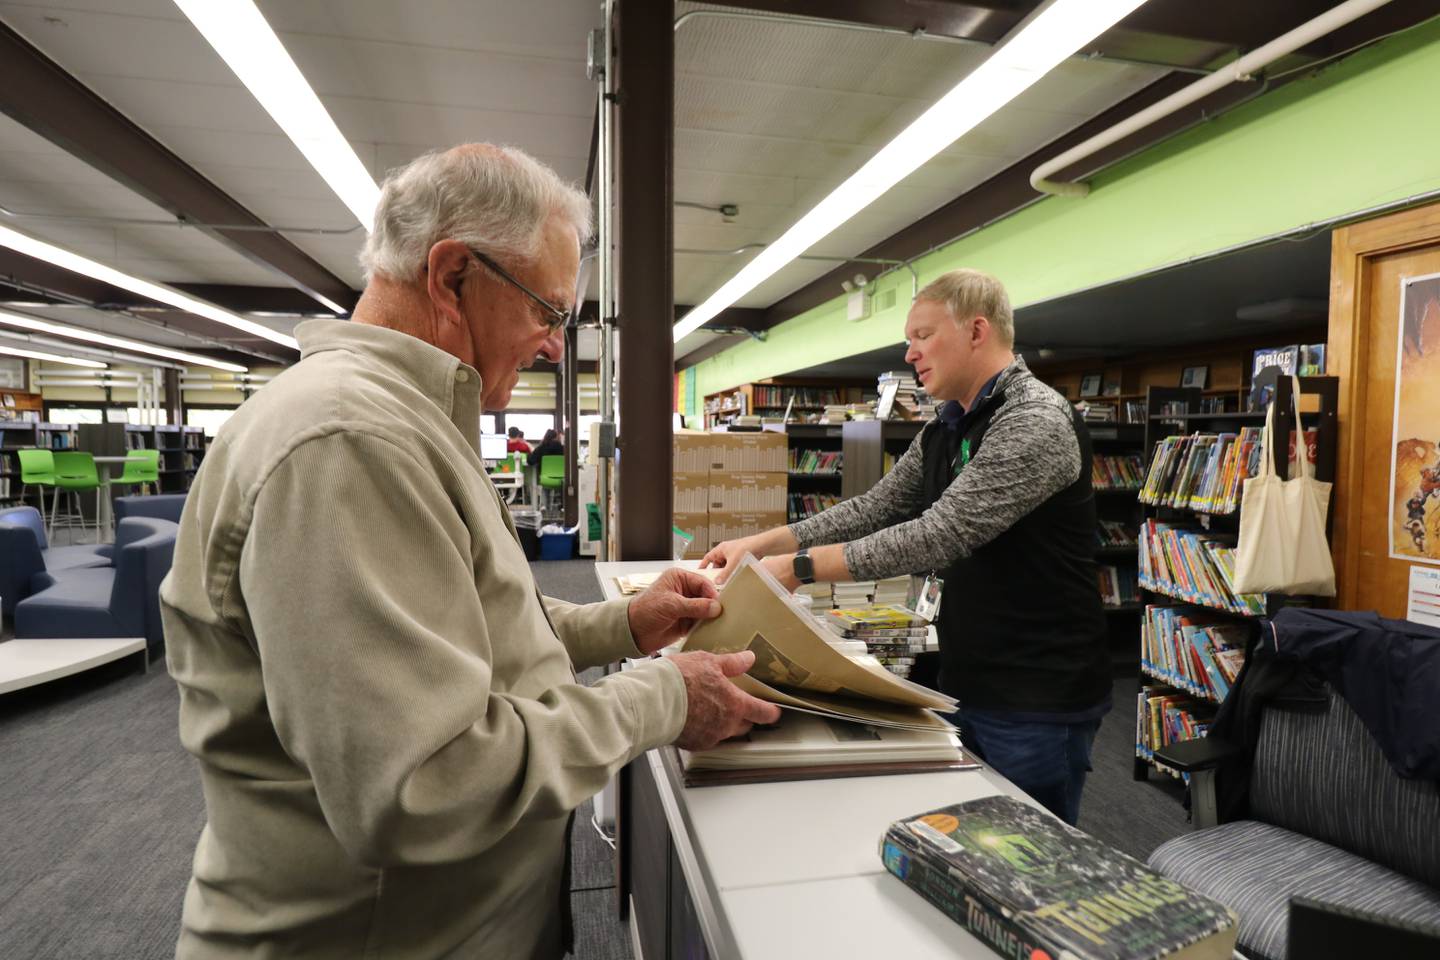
x=1359 y=133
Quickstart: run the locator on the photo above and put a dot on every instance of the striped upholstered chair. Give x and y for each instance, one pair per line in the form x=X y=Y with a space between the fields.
x=1330 y=820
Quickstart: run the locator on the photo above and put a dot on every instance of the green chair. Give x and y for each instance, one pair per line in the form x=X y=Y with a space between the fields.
x=37 y=469
x=552 y=475
x=141 y=468
x=75 y=474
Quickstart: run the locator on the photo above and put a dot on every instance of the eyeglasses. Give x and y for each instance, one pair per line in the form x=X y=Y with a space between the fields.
x=554 y=317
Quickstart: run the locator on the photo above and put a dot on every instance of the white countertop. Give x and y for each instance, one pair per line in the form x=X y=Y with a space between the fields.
x=792 y=869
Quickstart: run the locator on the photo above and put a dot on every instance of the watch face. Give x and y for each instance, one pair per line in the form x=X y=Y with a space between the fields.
x=804 y=567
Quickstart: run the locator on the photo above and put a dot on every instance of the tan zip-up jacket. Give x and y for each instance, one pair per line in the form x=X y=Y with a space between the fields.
x=390 y=734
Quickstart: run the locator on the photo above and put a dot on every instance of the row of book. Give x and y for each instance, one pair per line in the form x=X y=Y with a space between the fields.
x=1096 y=412
x=815 y=461
x=1164 y=716
x=1124 y=472
x=1192 y=651
x=803 y=506
x=1202 y=471
x=1191 y=566
x=774 y=397
x=1118 y=585
x=1113 y=533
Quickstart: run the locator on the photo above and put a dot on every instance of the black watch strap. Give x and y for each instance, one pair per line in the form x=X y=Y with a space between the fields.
x=803 y=566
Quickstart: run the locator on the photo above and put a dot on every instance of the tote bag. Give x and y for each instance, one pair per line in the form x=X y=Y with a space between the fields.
x=1282 y=546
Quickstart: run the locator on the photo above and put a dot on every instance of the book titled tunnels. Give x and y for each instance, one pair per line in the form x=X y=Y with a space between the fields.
x=1032 y=888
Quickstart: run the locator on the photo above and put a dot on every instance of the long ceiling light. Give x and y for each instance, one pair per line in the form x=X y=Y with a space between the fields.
x=1050 y=35
x=52 y=357
x=239 y=33
x=60 y=257
x=92 y=336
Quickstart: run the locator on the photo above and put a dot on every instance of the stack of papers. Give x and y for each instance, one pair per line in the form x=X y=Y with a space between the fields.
x=634 y=583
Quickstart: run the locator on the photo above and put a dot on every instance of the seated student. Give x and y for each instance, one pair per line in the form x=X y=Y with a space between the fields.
x=517 y=442
x=551 y=445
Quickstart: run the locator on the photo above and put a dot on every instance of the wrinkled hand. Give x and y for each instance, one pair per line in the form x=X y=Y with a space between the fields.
x=727 y=553
x=716 y=709
x=671 y=607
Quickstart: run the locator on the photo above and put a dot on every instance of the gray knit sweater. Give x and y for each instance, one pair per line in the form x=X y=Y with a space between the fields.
x=1029 y=454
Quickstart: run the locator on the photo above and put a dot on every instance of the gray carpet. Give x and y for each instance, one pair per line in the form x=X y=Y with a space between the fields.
x=100 y=809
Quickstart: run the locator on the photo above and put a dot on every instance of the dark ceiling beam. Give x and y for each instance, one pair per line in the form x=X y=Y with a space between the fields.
x=704 y=352
x=37 y=93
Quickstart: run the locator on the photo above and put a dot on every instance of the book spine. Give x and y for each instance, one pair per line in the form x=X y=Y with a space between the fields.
x=954 y=899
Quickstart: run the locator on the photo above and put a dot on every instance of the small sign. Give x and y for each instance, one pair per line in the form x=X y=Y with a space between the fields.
x=1424 y=606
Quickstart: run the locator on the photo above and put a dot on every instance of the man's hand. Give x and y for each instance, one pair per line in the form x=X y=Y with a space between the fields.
x=782 y=568
x=671 y=607
x=716 y=709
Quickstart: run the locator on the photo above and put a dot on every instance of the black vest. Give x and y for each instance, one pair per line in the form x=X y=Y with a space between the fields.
x=1021 y=623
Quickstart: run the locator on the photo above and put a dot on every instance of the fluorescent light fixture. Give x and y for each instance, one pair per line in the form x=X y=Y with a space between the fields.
x=92 y=336
x=1050 y=36
x=61 y=257
x=52 y=357
x=238 y=32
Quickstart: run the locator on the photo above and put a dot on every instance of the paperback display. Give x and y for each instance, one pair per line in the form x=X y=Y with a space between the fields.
x=1193 y=651
x=1118 y=585
x=1202 y=472
x=1032 y=888
x=815 y=461
x=803 y=506
x=1125 y=472
x=1190 y=566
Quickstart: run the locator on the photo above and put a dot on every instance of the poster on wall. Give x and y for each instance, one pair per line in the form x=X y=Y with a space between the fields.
x=1415 y=453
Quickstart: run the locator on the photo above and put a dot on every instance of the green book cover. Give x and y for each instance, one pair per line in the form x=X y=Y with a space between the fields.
x=1032 y=887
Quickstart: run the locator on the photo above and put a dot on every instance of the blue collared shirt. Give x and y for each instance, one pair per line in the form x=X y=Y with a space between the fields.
x=956 y=417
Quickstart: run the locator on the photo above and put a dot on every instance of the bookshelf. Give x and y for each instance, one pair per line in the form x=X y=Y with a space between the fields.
x=181 y=451
x=768 y=400
x=871 y=448
x=1183 y=672
x=1116 y=450
x=16 y=435
x=816 y=468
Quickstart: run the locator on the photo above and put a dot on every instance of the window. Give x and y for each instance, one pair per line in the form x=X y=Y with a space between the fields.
x=487 y=423
x=73 y=415
x=532 y=425
x=211 y=420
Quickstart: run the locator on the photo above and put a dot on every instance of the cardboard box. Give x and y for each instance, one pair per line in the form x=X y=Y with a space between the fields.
x=692 y=493
x=731 y=526
x=693 y=452
x=764 y=452
x=698 y=526
x=747 y=492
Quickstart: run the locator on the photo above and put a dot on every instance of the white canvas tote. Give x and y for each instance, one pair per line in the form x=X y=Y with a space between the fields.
x=1282 y=546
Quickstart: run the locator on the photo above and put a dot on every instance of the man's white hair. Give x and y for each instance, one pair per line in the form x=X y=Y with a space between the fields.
x=493 y=198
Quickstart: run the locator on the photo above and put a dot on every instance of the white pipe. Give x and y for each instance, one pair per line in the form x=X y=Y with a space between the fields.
x=1241 y=69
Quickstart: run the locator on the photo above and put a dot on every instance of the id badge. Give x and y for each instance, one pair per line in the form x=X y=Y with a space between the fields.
x=928 y=603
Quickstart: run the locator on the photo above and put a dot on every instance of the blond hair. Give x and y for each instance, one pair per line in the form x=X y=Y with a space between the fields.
x=971 y=293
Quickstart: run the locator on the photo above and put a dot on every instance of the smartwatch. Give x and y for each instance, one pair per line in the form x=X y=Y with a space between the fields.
x=803 y=566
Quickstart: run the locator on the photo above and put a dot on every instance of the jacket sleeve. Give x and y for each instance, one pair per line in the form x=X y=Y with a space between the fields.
x=377 y=649
x=1030 y=453
x=900 y=494
x=594 y=633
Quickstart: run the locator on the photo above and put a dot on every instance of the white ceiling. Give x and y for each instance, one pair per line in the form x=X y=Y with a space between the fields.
x=768 y=116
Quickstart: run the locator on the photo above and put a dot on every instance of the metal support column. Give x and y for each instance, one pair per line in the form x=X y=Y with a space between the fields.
x=645 y=65
x=173 y=407
x=566 y=388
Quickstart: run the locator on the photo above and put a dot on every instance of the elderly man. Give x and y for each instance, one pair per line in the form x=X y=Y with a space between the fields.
x=993 y=498
x=390 y=735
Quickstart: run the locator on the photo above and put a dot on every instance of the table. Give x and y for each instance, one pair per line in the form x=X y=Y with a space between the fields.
x=104 y=520
x=779 y=870
x=508 y=482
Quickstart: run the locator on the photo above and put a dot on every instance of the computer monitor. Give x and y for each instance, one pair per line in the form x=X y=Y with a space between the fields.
x=493 y=447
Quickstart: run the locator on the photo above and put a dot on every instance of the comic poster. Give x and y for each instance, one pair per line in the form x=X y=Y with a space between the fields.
x=1415 y=467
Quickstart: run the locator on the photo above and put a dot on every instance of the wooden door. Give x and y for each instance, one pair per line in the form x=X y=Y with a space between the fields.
x=1368 y=263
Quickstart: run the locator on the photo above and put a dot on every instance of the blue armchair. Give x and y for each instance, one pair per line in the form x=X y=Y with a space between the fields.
x=118 y=601
x=25 y=552
x=163 y=506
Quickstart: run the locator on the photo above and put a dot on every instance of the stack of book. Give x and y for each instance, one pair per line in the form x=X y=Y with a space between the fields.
x=1202 y=471
x=747 y=421
x=892 y=635
x=908 y=393
x=833 y=413
x=1096 y=412
x=893 y=590
x=819 y=594
x=858 y=593
x=1027 y=885
x=1118 y=585
x=1163 y=717
x=1113 y=533
x=815 y=461
x=1188 y=650
x=1117 y=472
x=1190 y=566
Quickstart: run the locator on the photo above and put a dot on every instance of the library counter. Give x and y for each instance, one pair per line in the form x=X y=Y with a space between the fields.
x=778 y=870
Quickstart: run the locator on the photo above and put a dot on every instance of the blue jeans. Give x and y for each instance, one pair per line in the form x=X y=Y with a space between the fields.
x=1046 y=760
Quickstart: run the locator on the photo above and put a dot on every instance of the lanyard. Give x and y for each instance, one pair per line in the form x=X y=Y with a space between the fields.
x=961 y=458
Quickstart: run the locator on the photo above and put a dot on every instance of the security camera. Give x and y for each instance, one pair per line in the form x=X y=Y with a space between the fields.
x=860 y=280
